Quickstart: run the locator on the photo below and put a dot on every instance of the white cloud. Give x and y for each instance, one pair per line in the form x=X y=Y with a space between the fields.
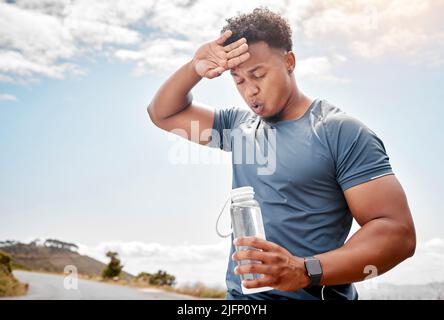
x=35 y=35
x=45 y=38
x=7 y=97
x=33 y=42
x=158 y=55
x=371 y=29
x=320 y=69
x=16 y=63
x=97 y=34
x=395 y=40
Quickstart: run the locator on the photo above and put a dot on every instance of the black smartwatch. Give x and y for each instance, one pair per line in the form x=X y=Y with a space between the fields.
x=314 y=270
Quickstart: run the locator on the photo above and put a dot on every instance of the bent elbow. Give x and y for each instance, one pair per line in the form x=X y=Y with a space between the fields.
x=411 y=248
x=410 y=241
x=152 y=116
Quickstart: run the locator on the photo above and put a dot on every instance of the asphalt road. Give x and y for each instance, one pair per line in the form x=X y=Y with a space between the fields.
x=51 y=287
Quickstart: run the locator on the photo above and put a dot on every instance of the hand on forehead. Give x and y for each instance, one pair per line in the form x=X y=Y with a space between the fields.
x=260 y=55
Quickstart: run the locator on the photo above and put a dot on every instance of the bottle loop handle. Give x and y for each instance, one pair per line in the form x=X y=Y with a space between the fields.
x=217 y=222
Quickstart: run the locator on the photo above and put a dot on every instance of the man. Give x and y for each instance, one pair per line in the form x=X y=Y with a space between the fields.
x=329 y=168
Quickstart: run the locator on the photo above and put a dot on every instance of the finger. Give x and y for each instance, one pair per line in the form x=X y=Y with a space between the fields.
x=235 y=44
x=213 y=73
x=224 y=37
x=266 y=257
x=266 y=281
x=256 y=268
x=238 y=60
x=238 y=51
x=257 y=243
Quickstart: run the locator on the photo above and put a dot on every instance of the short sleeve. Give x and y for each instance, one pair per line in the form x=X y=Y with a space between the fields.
x=225 y=120
x=359 y=154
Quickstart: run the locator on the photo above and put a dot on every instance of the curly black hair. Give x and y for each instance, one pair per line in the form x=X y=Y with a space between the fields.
x=260 y=25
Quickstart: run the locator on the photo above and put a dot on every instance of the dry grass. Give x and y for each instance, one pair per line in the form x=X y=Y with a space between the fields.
x=201 y=291
x=198 y=289
x=9 y=286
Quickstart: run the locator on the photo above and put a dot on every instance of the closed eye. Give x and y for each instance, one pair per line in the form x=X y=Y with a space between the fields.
x=254 y=76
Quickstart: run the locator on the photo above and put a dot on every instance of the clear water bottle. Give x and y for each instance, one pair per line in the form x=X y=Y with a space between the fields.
x=246 y=220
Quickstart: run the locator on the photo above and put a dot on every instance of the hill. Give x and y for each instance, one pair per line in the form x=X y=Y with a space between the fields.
x=52 y=256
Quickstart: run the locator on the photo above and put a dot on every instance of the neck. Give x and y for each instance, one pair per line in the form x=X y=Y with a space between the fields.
x=295 y=106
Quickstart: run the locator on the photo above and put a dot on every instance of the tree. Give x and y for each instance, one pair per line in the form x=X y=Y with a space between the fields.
x=144 y=276
x=54 y=243
x=5 y=261
x=162 y=278
x=114 y=268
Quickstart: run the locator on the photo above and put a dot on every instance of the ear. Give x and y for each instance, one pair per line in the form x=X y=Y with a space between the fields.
x=290 y=61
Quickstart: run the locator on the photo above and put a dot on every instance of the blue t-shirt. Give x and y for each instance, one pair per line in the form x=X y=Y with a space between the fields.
x=299 y=170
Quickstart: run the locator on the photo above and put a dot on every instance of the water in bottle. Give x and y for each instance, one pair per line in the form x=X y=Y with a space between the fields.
x=246 y=220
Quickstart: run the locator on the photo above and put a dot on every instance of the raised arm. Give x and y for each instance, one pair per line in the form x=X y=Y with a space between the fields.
x=173 y=108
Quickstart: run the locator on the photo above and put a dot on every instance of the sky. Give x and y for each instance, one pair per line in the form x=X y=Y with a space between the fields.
x=80 y=160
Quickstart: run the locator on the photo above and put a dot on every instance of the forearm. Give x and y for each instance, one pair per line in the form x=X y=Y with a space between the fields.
x=382 y=243
x=174 y=95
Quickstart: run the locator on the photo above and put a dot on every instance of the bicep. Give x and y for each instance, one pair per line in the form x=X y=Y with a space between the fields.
x=193 y=123
x=383 y=197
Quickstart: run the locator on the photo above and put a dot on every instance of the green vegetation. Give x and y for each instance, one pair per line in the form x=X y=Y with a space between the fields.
x=160 y=278
x=9 y=286
x=114 y=268
x=164 y=281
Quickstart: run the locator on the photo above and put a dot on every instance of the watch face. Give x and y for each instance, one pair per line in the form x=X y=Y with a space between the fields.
x=313 y=266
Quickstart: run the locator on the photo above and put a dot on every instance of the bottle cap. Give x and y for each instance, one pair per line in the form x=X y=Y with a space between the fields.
x=241 y=193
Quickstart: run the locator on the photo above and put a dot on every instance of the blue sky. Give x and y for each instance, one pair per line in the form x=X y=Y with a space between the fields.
x=80 y=160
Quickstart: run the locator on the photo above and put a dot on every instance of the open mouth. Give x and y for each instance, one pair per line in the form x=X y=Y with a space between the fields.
x=258 y=108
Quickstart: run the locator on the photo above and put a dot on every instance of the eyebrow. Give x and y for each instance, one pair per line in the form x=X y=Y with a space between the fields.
x=251 y=70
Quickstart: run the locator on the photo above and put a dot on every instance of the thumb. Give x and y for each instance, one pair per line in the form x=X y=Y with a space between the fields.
x=216 y=72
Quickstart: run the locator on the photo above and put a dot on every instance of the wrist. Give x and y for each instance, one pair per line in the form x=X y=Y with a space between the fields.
x=302 y=275
x=306 y=280
x=192 y=67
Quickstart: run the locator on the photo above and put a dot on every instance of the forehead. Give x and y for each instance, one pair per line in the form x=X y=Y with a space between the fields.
x=260 y=53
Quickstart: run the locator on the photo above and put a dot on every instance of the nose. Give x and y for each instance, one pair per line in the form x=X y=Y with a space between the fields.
x=251 y=90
